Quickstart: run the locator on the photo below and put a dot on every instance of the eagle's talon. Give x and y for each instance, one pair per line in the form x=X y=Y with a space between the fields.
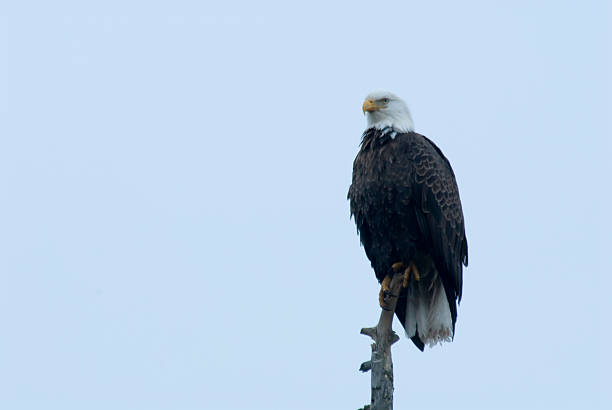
x=384 y=292
x=381 y=299
x=388 y=294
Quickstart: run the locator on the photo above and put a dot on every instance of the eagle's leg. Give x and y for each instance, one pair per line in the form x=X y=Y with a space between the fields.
x=397 y=267
x=411 y=268
x=384 y=292
x=415 y=271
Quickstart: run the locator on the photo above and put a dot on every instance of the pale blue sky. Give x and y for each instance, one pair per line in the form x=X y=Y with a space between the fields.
x=174 y=230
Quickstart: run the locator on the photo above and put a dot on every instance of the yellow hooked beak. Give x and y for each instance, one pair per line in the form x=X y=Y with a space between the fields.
x=369 y=106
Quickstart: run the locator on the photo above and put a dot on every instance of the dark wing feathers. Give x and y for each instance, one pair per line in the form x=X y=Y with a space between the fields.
x=439 y=214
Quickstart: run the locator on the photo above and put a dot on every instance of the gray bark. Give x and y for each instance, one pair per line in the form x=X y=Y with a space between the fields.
x=381 y=364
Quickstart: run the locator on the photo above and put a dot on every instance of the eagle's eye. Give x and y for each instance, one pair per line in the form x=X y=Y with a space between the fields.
x=385 y=101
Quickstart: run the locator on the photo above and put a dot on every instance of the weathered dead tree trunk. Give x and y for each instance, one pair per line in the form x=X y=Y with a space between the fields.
x=380 y=364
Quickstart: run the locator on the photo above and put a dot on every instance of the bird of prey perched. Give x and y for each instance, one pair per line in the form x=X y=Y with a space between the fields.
x=405 y=202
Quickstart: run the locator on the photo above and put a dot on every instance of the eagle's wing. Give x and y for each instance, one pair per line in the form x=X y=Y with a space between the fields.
x=437 y=206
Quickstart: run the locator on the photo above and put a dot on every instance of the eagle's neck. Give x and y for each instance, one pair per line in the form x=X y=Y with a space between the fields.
x=374 y=137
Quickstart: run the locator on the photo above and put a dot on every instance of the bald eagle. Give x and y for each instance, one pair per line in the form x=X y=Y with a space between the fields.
x=405 y=202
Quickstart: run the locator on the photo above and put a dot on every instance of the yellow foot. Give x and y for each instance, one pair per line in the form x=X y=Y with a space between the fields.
x=411 y=268
x=384 y=292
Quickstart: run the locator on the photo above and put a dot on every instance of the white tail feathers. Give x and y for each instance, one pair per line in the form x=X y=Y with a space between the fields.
x=427 y=311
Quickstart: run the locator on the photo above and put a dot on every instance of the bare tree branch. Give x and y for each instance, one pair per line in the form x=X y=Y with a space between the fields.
x=381 y=364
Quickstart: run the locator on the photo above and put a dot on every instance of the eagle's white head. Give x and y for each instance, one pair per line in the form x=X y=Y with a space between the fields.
x=385 y=109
